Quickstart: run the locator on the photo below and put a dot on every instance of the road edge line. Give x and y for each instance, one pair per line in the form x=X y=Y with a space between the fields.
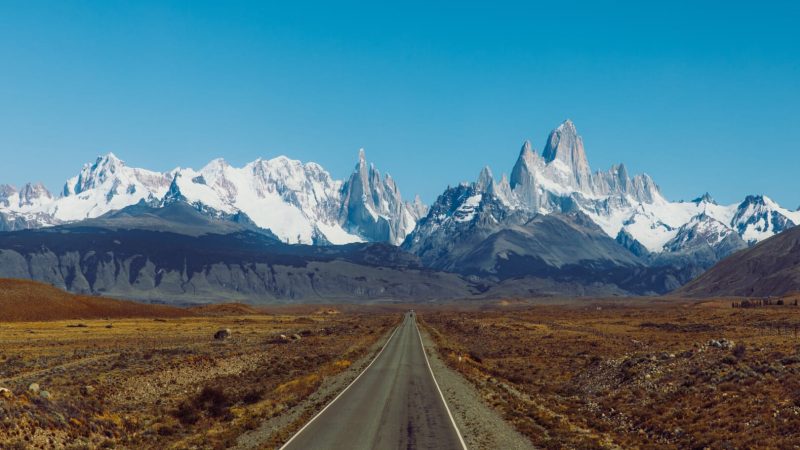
x=282 y=447
x=449 y=414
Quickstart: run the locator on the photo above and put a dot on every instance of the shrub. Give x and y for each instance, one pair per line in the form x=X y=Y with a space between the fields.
x=738 y=350
x=253 y=396
x=212 y=400
x=187 y=413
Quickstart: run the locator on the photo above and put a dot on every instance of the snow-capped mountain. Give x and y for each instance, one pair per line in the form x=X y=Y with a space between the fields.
x=630 y=209
x=372 y=206
x=299 y=202
x=302 y=203
x=758 y=217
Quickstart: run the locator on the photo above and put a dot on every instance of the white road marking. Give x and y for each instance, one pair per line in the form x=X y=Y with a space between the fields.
x=458 y=432
x=348 y=387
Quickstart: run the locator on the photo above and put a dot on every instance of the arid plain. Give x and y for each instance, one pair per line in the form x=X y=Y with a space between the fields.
x=613 y=373
x=663 y=373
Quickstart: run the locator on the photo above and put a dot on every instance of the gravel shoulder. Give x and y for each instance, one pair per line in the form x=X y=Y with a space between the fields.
x=481 y=426
x=294 y=418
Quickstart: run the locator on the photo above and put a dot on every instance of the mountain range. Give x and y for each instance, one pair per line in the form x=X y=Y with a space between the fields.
x=631 y=210
x=553 y=226
x=300 y=203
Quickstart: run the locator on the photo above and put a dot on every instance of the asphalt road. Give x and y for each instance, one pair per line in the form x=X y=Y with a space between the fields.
x=394 y=404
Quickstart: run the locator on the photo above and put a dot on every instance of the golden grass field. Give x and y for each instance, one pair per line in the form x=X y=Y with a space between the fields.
x=166 y=382
x=622 y=375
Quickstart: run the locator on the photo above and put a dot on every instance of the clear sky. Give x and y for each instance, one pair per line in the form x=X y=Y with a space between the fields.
x=701 y=95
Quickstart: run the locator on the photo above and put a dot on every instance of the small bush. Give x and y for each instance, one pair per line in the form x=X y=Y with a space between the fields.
x=738 y=350
x=212 y=400
x=165 y=430
x=254 y=396
x=187 y=413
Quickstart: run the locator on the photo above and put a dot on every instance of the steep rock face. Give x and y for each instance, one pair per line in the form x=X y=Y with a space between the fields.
x=564 y=152
x=299 y=202
x=629 y=242
x=373 y=208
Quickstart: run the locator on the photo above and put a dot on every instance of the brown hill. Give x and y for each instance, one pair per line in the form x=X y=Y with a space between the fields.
x=24 y=300
x=226 y=309
x=770 y=268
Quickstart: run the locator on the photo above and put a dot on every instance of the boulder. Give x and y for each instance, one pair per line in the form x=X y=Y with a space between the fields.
x=6 y=393
x=44 y=394
x=34 y=387
x=222 y=334
x=721 y=343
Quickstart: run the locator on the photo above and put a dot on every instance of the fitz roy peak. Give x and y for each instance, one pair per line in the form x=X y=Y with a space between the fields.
x=631 y=210
x=298 y=202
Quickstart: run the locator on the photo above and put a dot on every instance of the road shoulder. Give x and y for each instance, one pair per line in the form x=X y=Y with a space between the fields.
x=481 y=427
x=290 y=421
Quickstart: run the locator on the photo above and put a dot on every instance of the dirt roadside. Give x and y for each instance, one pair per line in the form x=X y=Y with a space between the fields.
x=282 y=427
x=481 y=426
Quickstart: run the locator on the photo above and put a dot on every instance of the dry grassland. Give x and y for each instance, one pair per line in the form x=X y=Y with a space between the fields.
x=166 y=382
x=663 y=375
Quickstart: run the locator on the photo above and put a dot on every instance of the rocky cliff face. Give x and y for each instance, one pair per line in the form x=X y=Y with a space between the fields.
x=373 y=208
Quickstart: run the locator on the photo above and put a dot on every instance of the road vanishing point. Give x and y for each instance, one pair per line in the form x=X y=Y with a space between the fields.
x=395 y=403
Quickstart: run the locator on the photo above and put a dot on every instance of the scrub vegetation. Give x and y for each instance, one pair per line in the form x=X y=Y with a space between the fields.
x=665 y=374
x=167 y=382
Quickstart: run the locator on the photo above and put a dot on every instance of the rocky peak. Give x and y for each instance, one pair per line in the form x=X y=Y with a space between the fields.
x=565 y=146
x=705 y=198
x=753 y=200
x=372 y=206
x=523 y=168
x=419 y=208
x=31 y=194
x=758 y=217
x=94 y=175
x=173 y=194
x=704 y=230
x=6 y=191
x=485 y=180
x=214 y=169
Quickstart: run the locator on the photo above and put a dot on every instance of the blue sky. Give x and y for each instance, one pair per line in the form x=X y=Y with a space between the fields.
x=701 y=95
